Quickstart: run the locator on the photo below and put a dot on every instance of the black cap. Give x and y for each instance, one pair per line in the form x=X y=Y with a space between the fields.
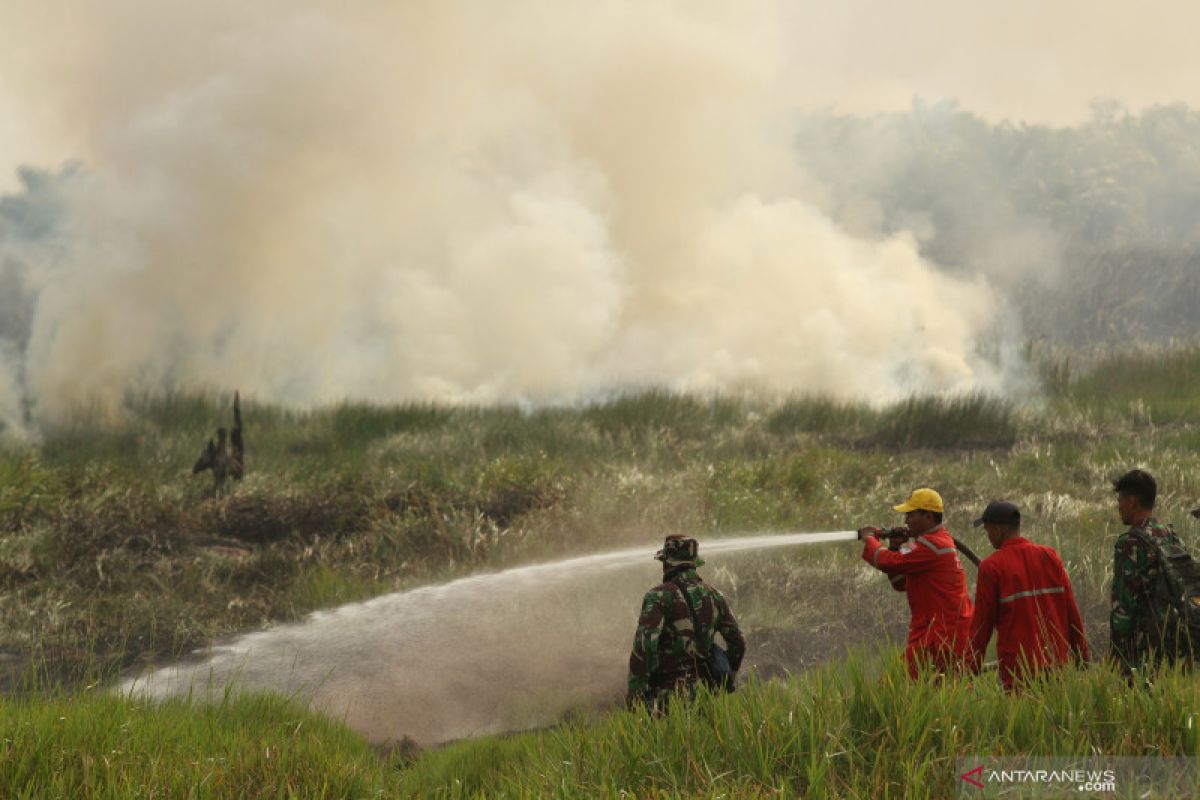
x=1000 y=512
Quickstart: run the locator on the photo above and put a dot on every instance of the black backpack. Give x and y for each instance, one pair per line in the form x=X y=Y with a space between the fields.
x=715 y=669
x=1174 y=599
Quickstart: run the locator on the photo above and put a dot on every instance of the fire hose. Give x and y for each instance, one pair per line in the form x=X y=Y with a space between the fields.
x=898 y=535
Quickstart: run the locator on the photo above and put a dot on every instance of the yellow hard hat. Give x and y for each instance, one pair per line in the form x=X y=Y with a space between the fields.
x=921 y=500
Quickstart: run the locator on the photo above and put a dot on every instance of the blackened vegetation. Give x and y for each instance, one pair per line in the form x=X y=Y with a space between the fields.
x=224 y=461
x=108 y=582
x=817 y=610
x=504 y=503
x=103 y=568
x=260 y=519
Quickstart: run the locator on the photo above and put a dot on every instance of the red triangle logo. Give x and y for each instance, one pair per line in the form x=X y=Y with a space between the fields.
x=978 y=772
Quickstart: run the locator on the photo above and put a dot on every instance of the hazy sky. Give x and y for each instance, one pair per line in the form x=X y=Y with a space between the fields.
x=1022 y=60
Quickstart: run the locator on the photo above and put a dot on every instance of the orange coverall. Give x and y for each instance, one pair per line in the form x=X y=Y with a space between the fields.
x=1024 y=593
x=929 y=573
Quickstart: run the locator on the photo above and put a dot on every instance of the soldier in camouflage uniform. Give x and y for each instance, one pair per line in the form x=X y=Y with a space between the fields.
x=668 y=655
x=1132 y=625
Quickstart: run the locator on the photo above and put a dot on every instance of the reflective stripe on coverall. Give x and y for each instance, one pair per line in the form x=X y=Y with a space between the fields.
x=939 y=631
x=1024 y=593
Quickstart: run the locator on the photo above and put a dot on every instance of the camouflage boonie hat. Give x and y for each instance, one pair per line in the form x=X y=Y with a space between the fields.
x=680 y=550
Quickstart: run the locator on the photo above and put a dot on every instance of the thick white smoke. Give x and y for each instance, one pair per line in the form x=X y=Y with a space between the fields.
x=530 y=199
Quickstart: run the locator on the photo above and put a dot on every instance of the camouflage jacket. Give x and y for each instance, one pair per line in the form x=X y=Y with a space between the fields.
x=1135 y=572
x=665 y=648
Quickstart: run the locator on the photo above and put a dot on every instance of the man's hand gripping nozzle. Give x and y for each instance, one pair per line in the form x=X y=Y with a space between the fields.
x=895 y=536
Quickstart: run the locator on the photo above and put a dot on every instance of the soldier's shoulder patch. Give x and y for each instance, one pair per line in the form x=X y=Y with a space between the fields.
x=1161 y=531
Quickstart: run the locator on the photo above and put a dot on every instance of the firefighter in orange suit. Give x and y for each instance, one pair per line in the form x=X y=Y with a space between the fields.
x=1024 y=594
x=926 y=568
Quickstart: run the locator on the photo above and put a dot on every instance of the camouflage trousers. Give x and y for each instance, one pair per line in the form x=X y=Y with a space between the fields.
x=661 y=693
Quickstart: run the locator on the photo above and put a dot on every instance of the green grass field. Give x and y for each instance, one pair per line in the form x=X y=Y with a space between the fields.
x=99 y=745
x=857 y=728
x=112 y=554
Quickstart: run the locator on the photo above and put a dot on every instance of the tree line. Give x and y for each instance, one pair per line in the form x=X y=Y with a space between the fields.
x=1091 y=231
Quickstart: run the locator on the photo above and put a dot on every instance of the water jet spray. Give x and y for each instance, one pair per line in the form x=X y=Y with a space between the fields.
x=474 y=656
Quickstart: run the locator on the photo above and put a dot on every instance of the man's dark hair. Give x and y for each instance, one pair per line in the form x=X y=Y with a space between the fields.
x=937 y=516
x=1139 y=484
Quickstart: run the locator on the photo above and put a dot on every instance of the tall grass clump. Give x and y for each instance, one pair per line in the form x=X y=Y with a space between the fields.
x=98 y=745
x=967 y=420
x=686 y=416
x=1163 y=380
x=931 y=421
x=856 y=729
x=1053 y=366
x=356 y=423
x=823 y=415
x=762 y=493
x=182 y=411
